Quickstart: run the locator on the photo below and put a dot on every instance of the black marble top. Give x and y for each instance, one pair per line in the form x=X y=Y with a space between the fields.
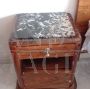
x=43 y=25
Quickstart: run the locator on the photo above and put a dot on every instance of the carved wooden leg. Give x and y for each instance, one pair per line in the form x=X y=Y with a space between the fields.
x=17 y=86
x=74 y=85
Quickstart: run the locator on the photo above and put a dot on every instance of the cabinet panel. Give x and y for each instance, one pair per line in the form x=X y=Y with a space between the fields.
x=83 y=16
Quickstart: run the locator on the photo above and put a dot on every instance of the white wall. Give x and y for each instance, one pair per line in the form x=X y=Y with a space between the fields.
x=9 y=7
x=7 y=25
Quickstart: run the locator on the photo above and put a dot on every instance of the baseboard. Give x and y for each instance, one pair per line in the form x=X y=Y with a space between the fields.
x=85 y=55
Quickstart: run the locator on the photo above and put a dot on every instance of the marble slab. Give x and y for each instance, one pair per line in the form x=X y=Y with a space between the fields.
x=43 y=25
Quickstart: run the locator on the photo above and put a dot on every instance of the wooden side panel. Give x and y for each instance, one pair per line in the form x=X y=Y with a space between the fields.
x=83 y=11
x=83 y=16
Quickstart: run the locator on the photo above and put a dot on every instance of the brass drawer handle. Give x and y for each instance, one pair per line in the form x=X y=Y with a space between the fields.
x=47 y=52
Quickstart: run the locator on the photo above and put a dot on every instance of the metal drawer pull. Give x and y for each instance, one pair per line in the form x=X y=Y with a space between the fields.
x=47 y=52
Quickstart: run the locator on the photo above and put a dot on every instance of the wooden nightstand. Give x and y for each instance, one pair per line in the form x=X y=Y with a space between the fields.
x=59 y=54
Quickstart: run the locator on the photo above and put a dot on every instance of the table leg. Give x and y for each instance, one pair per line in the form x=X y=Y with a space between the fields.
x=74 y=85
x=17 y=86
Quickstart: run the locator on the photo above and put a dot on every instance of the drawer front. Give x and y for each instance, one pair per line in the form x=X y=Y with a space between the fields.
x=34 y=55
x=43 y=47
x=48 y=80
x=44 y=51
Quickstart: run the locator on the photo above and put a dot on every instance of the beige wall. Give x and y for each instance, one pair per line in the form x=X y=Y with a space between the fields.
x=7 y=25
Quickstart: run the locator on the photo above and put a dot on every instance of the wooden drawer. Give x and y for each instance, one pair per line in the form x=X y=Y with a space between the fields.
x=42 y=54
x=43 y=51
x=43 y=47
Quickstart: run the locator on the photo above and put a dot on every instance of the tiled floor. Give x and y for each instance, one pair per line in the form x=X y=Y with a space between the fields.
x=83 y=74
x=8 y=76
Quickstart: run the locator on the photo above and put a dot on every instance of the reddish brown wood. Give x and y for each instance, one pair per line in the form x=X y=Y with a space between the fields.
x=83 y=16
x=73 y=86
x=50 y=64
x=50 y=80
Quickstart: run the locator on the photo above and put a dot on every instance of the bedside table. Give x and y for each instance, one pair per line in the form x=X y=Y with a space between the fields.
x=45 y=49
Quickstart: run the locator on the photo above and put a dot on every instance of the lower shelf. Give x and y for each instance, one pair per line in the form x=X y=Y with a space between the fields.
x=52 y=77
x=47 y=78
x=73 y=86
